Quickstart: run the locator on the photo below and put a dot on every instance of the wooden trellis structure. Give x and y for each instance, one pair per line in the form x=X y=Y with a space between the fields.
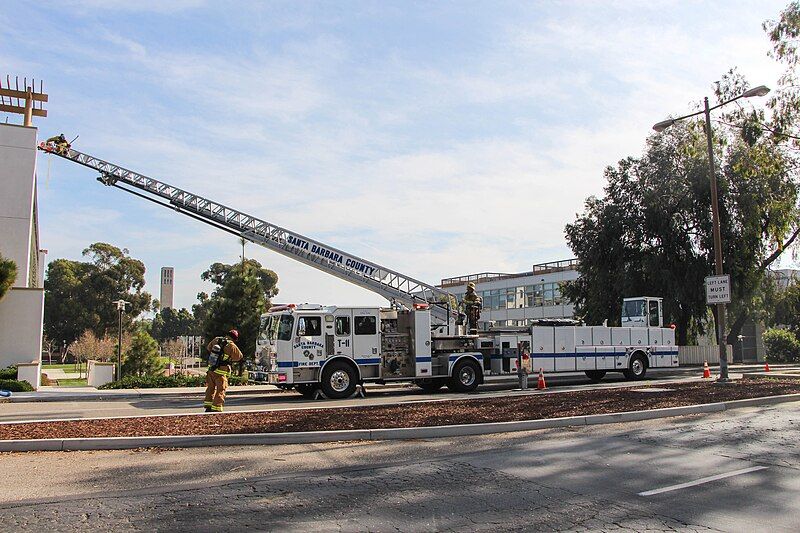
x=22 y=99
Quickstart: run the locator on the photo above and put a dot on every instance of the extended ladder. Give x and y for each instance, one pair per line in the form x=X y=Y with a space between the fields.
x=392 y=285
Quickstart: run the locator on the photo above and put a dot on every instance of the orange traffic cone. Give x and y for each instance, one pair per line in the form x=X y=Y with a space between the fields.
x=541 y=385
x=766 y=367
x=706 y=370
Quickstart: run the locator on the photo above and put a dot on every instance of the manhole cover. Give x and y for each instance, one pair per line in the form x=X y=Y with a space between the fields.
x=653 y=389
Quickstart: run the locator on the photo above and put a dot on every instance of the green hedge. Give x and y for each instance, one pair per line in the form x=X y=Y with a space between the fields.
x=160 y=382
x=15 y=386
x=782 y=346
x=8 y=373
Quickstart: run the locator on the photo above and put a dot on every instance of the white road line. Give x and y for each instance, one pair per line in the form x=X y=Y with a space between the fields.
x=702 y=480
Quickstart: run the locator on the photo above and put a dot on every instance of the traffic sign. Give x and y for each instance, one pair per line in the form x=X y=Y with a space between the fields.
x=718 y=289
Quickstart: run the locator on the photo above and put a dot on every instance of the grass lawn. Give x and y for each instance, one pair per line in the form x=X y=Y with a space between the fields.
x=69 y=367
x=72 y=382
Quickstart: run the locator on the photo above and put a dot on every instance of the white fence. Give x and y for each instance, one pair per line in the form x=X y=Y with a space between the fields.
x=696 y=355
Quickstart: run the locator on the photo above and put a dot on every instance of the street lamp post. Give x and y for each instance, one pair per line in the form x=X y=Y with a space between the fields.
x=761 y=90
x=121 y=309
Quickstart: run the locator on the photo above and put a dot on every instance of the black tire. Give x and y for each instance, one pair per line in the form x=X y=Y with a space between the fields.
x=430 y=385
x=339 y=380
x=637 y=368
x=595 y=375
x=307 y=389
x=466 y=376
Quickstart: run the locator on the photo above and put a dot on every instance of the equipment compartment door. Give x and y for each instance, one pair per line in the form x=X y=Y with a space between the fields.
x=565 y=349
x=585 y=358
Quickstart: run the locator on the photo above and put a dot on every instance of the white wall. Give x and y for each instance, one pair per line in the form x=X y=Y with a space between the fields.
x=21 y=317
x=17 y=191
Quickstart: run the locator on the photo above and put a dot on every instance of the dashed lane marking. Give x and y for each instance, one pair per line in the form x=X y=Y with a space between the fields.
x=702 y=480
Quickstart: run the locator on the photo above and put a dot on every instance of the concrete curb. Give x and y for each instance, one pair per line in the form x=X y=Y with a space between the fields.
x=190 y=441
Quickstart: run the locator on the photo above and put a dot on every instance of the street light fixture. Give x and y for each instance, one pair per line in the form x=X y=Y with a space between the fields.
x=121 y=309
x=761 y=90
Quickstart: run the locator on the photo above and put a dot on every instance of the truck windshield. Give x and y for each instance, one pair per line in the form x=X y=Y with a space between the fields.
x=633 y=308
x=266 y=328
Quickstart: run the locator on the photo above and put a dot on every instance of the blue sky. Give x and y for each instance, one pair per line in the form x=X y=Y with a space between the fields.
x=437 y=139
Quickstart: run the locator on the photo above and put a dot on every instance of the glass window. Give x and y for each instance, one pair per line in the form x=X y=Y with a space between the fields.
x=653 y=310
x=265 y=329
x=548 y=294
x=633 y=308
x=365 y=325
x=343 y=326
x=285 y=328
x=309 y=326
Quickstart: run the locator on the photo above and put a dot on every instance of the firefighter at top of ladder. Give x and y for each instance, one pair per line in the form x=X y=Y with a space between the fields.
x=60 y=144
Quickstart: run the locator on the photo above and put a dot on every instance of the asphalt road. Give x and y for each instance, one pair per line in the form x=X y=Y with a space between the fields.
x=733 y=471
x=265 y=401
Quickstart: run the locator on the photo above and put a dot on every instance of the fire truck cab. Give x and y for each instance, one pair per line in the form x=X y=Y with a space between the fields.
x=309 y=347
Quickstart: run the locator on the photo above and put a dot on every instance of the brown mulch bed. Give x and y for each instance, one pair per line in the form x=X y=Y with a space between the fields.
x=470 y=411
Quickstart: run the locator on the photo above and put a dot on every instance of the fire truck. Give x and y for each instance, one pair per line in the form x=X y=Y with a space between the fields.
x=419 y=337
x=333 y=349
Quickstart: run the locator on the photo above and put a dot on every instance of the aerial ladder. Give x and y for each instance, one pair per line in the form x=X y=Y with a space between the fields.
x=397 y=288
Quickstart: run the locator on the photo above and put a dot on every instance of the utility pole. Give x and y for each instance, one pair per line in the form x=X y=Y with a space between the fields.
x=723 y=352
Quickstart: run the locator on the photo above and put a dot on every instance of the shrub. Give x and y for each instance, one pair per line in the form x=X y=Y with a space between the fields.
x=142 y=357
x=15 y=386
x=8 y=373
x=154 y=382
x=158 y=382
x=782 y=346
x=46 y=381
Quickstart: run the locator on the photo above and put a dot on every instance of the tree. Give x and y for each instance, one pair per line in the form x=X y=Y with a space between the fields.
x=651 y=232
x=242 y=295
x=88 y=346
x=142 y=357
x=8 y=273
x=170 y=324
x=79 y=294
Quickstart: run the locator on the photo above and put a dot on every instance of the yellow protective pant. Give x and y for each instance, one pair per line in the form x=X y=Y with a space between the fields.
x=216 y=385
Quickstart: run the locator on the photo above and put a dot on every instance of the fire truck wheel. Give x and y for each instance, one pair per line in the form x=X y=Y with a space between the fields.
x=466 y=376
x=339 y=380
x=595 y=375
x=430 y=385
x=306 y=389
x=637 y=368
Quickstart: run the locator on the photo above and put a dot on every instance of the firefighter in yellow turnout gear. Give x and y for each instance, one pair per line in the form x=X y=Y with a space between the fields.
x=222 y=352
x=472 y=304
x=60 y=144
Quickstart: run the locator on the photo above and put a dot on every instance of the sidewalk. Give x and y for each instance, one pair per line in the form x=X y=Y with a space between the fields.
x=73 y=394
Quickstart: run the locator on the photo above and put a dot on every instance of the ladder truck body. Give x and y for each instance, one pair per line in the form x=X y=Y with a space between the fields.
x=420 y=338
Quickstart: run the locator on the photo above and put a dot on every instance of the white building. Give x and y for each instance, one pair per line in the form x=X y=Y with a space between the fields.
x=167 y=287
x=516 y=299
x=22 y=309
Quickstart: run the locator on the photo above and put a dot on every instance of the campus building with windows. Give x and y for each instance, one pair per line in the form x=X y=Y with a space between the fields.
x=517 y=299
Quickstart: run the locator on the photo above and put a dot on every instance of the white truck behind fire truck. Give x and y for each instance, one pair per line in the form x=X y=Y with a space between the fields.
x=419 y=338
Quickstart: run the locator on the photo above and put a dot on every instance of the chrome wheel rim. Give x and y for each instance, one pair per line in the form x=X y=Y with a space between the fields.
x=340 y=380
x=637 y=366
x=467 y=375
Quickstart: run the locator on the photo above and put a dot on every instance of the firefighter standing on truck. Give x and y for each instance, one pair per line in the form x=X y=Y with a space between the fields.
x=472 y=304
x=222 y=352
